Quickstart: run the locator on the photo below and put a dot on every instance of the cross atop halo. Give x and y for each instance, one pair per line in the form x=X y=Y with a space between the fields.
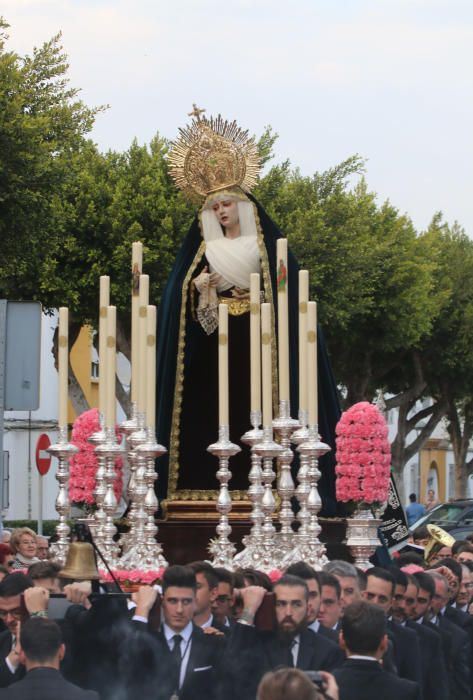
x=196 y=112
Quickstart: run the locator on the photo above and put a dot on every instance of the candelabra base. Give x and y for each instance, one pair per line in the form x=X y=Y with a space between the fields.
x=308 y=550
x=264 y=556
x=362 y=537
x=143 y=556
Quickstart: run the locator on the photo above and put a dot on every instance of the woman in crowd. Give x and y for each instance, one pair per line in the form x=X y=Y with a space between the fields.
x=23 y=544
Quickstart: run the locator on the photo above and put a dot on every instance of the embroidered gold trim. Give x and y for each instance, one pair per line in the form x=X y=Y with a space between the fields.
x=178 y=385
x=189 y=494
x=236 y=307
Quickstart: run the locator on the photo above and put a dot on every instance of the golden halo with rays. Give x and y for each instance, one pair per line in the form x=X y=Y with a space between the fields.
x=213 y=154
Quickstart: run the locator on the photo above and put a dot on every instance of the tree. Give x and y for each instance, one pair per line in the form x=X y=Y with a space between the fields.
x=448 y=357
x=42 y=126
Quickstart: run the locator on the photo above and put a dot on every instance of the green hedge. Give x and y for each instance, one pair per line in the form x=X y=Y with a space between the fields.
x=49 y=526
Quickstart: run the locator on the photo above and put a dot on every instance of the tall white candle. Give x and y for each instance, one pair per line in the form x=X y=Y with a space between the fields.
x=136 y=269
x=312 y=378
x=303 y=299
x=111 y=408
x=63 y=362
x=151 y=365
x=103 y=303
x=143 y=304
x=283 y=319
x=266 y=364
x=255 y=342
x=223 y=364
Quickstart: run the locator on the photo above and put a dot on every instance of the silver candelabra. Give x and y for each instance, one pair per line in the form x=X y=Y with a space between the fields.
x=63 y=450
x=221 y=548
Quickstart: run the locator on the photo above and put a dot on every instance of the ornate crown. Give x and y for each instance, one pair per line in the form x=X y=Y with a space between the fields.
x=211 y=155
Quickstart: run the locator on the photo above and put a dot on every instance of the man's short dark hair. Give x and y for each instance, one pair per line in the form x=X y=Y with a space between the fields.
x=410 y=558
x=14 y=584
x=179 y=576
x=207 y=570
x=224 y=575
x=400 y=578
x=458 y=545
x=290 y=580
x=383 y=574
x=40 y=639
x=421 y=533
x=44 y=569
x=326 y=579
x=303 y=571
x=363 y=627
x=452 y=564
x=253 y=577
x=426 y=582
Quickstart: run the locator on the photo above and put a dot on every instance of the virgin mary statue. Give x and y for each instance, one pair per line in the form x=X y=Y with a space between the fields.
x=230 y=238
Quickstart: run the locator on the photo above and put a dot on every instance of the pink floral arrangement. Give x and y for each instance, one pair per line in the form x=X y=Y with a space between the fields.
x=83 y=465
x=275 y=575
x=412 y=569
x=135 y=576
x=363 y=455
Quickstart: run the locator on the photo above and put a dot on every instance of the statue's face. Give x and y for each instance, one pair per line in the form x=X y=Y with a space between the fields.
x=226 y=211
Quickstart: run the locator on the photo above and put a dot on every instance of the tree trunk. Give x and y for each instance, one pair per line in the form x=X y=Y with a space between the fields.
x=76 y=395
x=460 y=430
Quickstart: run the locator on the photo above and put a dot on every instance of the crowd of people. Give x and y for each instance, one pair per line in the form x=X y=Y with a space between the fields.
x=400 y=631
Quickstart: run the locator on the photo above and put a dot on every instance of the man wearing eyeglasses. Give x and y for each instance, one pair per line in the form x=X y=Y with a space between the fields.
x=12 y=613
x=222 y=605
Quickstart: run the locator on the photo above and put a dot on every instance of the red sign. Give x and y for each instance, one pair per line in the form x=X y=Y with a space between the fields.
x=43 y=458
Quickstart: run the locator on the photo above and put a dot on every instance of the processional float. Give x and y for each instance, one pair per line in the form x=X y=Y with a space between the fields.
x=278 y=536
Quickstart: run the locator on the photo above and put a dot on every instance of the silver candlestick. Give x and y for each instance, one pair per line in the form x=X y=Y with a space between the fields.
x=221 y=548
x=266 y=550
x=302 y=433
x=136 y=488
x=63 y=450
x=249 y=556
x=308 y=546
x=109 y=450
x=99 y=517
x=145 y=553
x=284 y=426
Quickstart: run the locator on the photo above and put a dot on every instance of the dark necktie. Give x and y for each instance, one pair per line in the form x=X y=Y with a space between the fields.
x=176 y=659
x=290 y=658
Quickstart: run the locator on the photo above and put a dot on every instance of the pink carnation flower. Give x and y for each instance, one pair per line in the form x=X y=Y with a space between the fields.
x=83 y=465
x=363 y=455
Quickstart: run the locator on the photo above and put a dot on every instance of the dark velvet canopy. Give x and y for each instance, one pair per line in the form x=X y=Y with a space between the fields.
x=169 y=332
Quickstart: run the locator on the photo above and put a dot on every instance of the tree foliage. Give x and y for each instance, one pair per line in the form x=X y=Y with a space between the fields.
x=396 y=305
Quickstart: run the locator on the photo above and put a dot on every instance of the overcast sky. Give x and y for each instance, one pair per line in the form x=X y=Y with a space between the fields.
x=388 y=79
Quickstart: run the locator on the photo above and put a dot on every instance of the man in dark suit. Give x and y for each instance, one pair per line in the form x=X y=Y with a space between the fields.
x=205 y=596
x=12 y=611
x=308 y=574
x=456 y=640
x=455 y=644
x=434 y=673
x=179 y=659
x=364 y=639
x=290 y=643
x=41 y=652
x=380 y=587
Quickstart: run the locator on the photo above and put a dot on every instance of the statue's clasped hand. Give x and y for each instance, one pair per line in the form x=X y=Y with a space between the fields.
x=239 y=293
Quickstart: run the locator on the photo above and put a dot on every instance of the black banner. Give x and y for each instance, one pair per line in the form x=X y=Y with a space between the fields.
x=393 y=530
